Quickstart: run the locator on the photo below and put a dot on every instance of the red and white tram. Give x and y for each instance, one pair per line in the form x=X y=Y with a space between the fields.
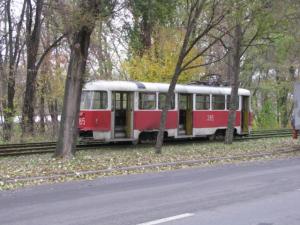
x=129 y=111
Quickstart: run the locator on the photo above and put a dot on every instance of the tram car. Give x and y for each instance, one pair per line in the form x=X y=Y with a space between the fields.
x=113 y=111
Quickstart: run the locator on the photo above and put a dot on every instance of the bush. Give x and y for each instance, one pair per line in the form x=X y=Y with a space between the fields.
x=266 y=118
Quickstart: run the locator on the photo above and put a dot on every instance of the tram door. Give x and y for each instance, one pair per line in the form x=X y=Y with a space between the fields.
x=123 y=114
x=185 y=114
x=245 y=114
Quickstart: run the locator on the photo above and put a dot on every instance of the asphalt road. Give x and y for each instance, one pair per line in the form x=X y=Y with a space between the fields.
x=265 y=193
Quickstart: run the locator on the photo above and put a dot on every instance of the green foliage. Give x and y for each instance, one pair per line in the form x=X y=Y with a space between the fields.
x=266 y=118
x=146 y=15
x=283 y=45
x=159 y=11
x=54 y=83
x=270 y=62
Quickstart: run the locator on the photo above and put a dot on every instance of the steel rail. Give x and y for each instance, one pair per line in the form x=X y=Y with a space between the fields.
x=49 y=147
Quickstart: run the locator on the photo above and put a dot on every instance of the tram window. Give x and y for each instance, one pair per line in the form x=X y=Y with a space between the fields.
x=124 y=102
x=228 y=102
x=202 y=102
x=162 y=100
x=147 y=101
x=86 y=99
x=218 y=102
x=120 y=100
x=100 y=100
x=183 y=102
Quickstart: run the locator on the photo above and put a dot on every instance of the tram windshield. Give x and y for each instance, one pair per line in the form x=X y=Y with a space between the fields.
x=93 y=100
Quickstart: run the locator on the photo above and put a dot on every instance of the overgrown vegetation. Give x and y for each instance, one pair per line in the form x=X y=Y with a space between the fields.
x=266 y=118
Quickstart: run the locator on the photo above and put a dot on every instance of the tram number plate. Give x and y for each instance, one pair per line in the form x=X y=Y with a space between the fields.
x=81 y=121
x=210 y=118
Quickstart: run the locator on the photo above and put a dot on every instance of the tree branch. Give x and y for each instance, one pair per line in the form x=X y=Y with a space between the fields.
x=19 y=27
x=209 y=26
x=47 y=50
x=28 y=18
x=249 y=43
x=203 y=51
x=205 y=64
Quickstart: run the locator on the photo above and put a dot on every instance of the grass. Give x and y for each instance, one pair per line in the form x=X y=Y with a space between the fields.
x=39 y=136
x=127 y=155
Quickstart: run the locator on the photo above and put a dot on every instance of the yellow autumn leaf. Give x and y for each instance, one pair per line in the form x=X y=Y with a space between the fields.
x=158 y=63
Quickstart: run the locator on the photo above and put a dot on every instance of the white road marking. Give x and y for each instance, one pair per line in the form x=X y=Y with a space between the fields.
x=167 y=219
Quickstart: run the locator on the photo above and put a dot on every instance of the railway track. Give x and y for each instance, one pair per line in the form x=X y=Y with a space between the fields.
x=267 y=134
x=48 y=147
x=39 y=148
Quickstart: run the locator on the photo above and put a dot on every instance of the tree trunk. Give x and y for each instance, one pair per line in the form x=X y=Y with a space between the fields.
x=69 y=119
x=162 y=127
x=42 y=112
x=236 y=54
x=191 y=25
x=53 y=110
x=146 y=34
x=7 y=107
x=32 y=44
x=9 y=110
x=2 y=85
x=13 y=52
x=282 y=106
x=146 y=27
x=46 y=72
x=29 y=102
x=53 y=102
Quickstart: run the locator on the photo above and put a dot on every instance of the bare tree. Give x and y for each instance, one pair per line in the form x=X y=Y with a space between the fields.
x=234 y=71
x=251 y=24
x=33 y=34
x=80 y=40
x=9 y=65
x=195 y=33
x=100 y=59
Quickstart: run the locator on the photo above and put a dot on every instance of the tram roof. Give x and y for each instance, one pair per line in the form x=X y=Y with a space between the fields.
x=103 y=85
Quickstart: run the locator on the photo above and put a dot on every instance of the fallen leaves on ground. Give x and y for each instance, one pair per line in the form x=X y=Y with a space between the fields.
x=110 y=157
